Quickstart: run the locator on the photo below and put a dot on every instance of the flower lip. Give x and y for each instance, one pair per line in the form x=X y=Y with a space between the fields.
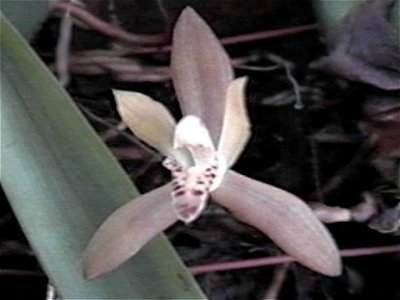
x=193 y=183
x=192 y=135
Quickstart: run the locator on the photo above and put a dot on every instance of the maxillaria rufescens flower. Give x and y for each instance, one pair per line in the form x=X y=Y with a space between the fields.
x=200 y=150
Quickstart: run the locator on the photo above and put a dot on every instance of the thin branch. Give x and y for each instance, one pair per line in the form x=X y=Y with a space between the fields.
x=164 y=14
x=128 y=153
x=108 y=29
x=288 y=68
x=316 y=169
x=238 y=39
x=268 y=261
x=51 y=293
x=330 y=214
x=347 y=171
x=63 y=47
x=114 y=131
x=360 y=213
x=277 y=282
x=159 y=39
x=130 y=137
x=97 y=62
x=269 y=34
x=21 y=273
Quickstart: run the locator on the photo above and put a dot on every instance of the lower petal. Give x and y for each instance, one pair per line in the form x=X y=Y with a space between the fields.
x=127 y=230
x=287 y=220
x=190 y=191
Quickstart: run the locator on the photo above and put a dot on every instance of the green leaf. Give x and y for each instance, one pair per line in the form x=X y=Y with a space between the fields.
x=62 y=182
x=17 y=12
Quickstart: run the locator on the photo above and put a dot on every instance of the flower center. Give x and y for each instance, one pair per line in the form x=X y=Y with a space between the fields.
x=192 y=183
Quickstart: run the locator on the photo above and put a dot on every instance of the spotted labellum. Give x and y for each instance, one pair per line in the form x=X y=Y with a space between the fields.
x=200 y=150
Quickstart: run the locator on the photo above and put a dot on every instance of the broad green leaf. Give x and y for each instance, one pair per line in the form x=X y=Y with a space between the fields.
x=17 y=11
x=62 y=183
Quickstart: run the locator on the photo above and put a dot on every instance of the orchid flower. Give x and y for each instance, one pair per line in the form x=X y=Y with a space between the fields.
x=200 y=150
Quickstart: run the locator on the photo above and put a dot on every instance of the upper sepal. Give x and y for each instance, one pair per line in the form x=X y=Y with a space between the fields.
x=201 y=71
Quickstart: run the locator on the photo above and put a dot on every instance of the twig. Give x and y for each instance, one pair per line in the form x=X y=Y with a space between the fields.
x=159 y=39
x=63 y=47
x=97 y=62
x=164 y=14
x=288 y=68
x=51 y=292
x=336 y=138
x=265 y=35
x=268 y=261
x=21 y=273
x=277 y=282
x=361 y=212
x=129 y=137
x=346 y=172
x=238 y=39
x=316 y=169
x=128 y=153
x=114 y=131
x=13 y=247
x=330 y=214
x=110 y=30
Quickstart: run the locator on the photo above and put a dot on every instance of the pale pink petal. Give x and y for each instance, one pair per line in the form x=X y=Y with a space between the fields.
x=127 y=230
x=201 y=71
x=236 y=127
x=287 y=220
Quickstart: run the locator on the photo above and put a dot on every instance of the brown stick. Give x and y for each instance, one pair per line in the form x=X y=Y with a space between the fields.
x=159 y=39
x=277 y=282
x=238 y=39
x=110 y=30
x=268 y=261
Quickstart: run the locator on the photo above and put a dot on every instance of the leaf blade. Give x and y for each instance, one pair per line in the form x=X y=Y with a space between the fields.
x=62 y=182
